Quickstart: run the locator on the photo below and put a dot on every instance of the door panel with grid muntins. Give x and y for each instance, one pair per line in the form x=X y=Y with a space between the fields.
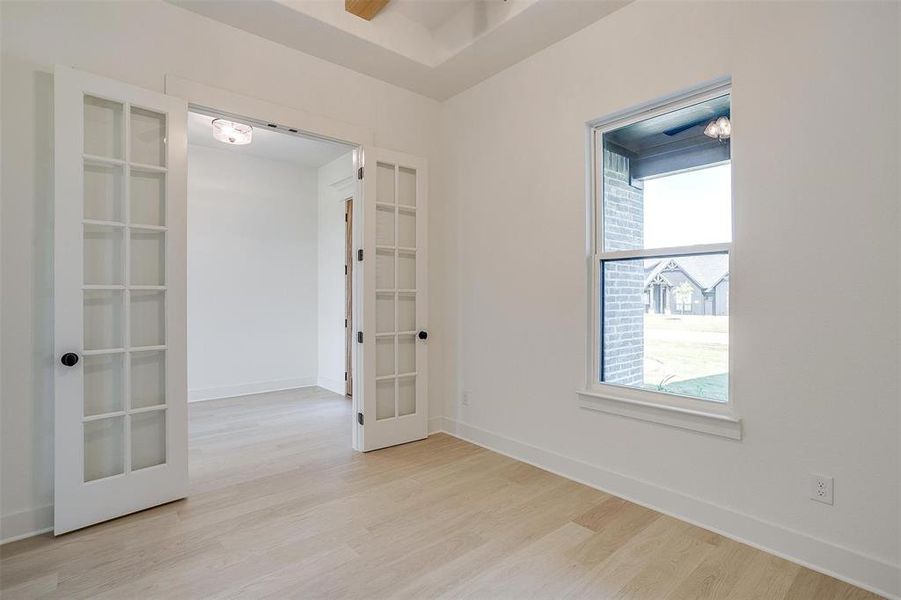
x=120 y=421
x=395 y=393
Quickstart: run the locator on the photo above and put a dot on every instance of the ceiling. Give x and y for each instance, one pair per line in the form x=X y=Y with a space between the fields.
x=273 y=145
x=437 y=48
x=431 y=14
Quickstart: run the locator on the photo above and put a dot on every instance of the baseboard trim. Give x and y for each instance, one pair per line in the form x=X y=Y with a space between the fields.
x=259 y=387
x=332 y=385
x=439 y=425
x=25 y=524
x=867 y=572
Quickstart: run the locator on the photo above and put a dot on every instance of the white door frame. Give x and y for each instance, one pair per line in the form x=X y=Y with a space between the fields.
x=202 y=96
x=221 y=100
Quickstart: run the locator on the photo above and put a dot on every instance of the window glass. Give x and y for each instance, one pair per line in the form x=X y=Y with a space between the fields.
x=666 y=183
x=688 y=208
x=666 y=324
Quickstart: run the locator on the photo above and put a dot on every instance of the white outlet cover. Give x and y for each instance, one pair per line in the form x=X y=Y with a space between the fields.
x=821 y=489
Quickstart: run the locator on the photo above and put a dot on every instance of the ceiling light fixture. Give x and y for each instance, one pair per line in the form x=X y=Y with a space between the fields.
x=233 y=133
x=719 y=129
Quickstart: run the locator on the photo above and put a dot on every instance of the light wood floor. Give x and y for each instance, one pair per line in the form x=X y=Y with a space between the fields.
x=281 y=507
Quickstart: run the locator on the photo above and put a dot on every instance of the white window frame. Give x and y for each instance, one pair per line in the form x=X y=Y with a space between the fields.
x=707 y=416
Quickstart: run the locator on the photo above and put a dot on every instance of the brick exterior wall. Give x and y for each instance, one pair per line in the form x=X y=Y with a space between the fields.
x=623 y=356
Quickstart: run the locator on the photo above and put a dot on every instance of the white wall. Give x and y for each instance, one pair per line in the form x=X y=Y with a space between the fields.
x=252 y=274
x=122 y=40
x=815 y=179
x=816 y=189
x=336 y=185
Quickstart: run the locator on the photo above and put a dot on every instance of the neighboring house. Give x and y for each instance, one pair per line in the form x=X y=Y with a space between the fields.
x=687 y=285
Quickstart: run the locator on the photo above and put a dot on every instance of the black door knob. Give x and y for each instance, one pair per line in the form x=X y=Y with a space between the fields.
x=423 y=335
x=69 y=359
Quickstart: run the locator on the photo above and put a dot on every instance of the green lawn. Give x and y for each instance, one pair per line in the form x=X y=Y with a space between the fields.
x=713 y=387
x=687 y=355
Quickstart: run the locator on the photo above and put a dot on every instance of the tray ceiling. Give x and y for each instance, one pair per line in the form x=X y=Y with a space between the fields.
x=437 y=48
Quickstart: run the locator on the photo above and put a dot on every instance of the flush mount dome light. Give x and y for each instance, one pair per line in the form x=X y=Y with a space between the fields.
x=719 y=129
x=233 y=133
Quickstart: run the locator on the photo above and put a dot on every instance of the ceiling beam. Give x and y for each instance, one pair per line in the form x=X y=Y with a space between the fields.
x=365 y=9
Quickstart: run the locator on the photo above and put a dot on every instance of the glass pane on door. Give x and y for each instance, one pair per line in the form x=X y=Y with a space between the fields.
x=124 y=288
x=104 y=192
x=104 y=384
x=406 y=311
x=384 y=225
x=406 y=269
x=148 y=198
x=406 y=395
x=406 y=187
x=395 y=304
x=148 y=137
x=148 y=257
x=104 y=128
x=104 y=319
x=384 y=399
x=148 y=378
x=406 y=228
x=384 y=356
x=406 y=354
x=385 y=184
x=104 y=262
x=148 y=319
x=104 y=448
x=384 y=269
x=148 y=439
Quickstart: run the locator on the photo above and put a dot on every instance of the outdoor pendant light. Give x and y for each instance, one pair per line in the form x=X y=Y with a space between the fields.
x=719 y=129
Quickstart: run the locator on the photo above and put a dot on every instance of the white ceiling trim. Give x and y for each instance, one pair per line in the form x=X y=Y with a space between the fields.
x=468 y=45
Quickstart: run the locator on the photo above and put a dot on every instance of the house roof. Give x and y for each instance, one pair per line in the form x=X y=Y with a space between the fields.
x=706 y=269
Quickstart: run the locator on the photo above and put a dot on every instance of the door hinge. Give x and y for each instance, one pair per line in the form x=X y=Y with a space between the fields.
x=360 y=254
x=345 y=375
x=345 y=269
x=359 y=337
x=360 y=418
x=359 y=173
x=345 y=322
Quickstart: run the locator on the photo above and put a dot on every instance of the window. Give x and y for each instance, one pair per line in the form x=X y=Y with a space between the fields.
x=662 y=237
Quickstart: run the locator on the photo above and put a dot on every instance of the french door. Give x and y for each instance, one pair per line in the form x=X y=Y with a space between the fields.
x=393 y=333
x=119 y=299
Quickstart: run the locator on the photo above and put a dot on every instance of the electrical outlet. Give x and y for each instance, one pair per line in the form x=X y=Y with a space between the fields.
x=821 y=488
x=465 y=399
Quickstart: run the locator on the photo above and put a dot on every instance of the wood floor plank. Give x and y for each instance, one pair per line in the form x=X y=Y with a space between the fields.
x=282 y=507
x=716 y=577
x=765 y=576
x=814 y=586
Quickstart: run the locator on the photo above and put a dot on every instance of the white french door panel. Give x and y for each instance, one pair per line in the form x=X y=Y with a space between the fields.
x=119 y=299
x=394 y=316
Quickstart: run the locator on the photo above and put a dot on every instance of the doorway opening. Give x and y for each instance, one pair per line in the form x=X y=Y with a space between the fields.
x=250 y=298
x=269 y=292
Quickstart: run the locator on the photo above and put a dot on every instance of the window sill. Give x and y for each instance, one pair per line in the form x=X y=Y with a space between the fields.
x=714 y=422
